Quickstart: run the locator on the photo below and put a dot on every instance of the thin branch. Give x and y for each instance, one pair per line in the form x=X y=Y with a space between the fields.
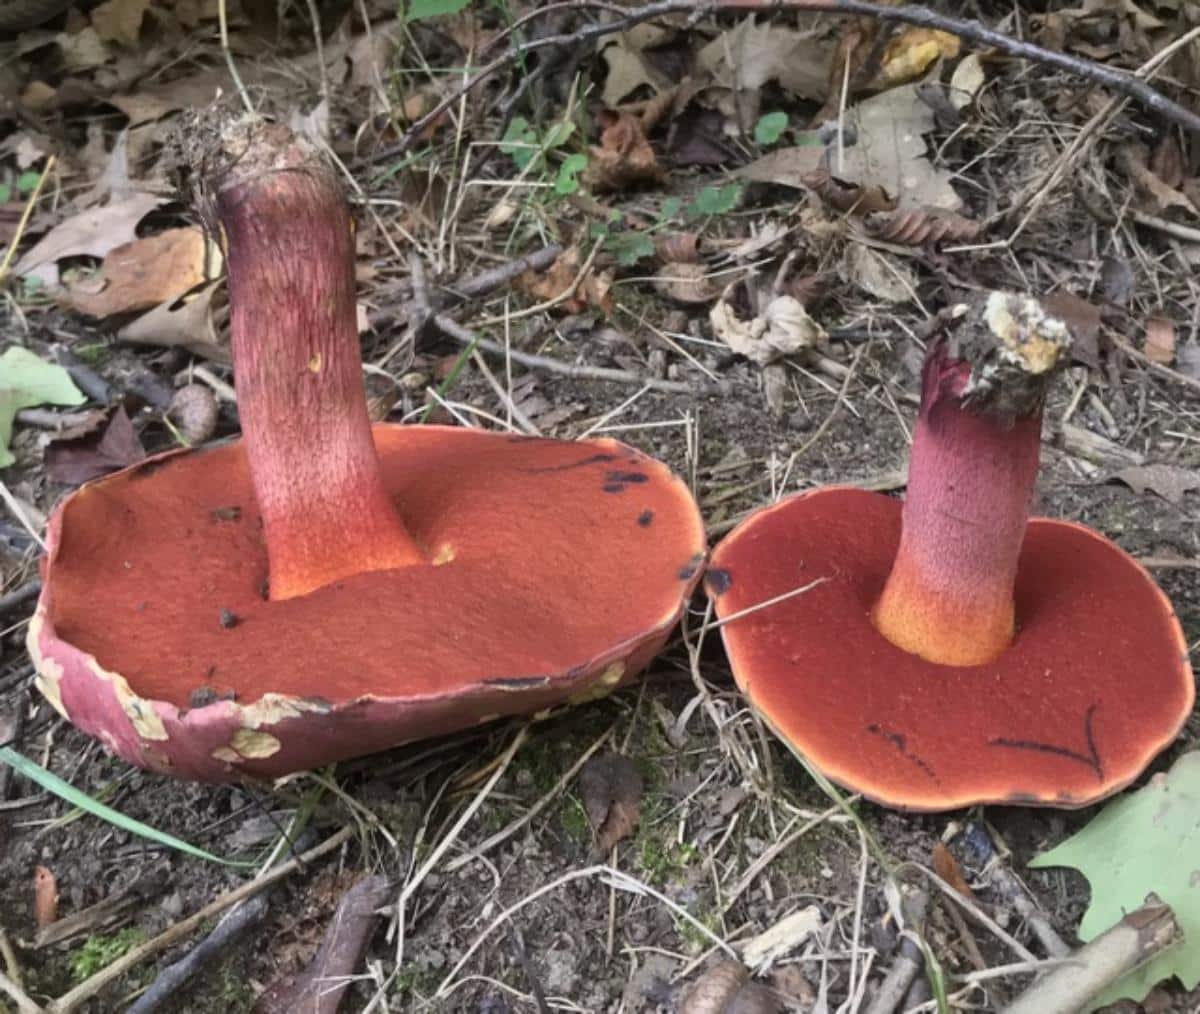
x=1119 y=81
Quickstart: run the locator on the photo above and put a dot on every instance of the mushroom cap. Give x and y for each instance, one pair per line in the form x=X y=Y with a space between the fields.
x=558 y=570
x=1095 y=683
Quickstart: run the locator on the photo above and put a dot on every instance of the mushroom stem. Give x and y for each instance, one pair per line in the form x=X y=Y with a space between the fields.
x=949 y=596
x=289 y=243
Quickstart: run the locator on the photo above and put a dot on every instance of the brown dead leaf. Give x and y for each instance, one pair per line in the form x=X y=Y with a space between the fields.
x=321 y=987
x=1169 y=481
x=966 y=81
x=1159 y=343
x=120 y=21
x=548 y=285
x=611 y=790
x=186 y=322
x=82 y=50
x=45 y=897
x=1083 y=318
x=751 y=54
x=1167 y=162
x=624 y=157
x=106 y=443
x=679 y=247
x=628 y=69
x=725 y=988
x=910 y=54
x=686 y=282
x=921 y=226
x=881 y=275
x=847 y=197
x=946 y=867
x=144 y=273
x=1159 y=196
x=93 y=233
x=783 y=329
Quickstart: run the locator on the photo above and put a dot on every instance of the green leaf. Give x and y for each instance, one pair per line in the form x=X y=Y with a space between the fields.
x=520 y=141
x=25 y=380
x=419 y=10
x=49 y=781
x=630 y=247
x=1146 y=841
x=770 y=128
x=715 y=201
x=670 y=208
x=567 y=181
x=27 y=181
x=558 y=135
x=6 y=191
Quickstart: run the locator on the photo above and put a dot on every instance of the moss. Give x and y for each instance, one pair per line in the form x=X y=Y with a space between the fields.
x=101 y=950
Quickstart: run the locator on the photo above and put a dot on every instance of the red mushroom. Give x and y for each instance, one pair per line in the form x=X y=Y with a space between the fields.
x=952 y=651
x=421 y=579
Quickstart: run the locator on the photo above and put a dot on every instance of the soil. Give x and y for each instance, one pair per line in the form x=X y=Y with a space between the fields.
x=718 y=790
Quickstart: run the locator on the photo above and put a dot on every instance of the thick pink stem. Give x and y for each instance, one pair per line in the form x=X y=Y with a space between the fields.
x=290 y=261
x=949 y=597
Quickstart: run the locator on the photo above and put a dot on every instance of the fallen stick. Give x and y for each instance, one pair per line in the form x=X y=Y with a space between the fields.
x=1139 y=936
x=971 y=31
x=464 y=336
x=19 y=596
x=164 y=989
x=909 y=959
x=488 y=281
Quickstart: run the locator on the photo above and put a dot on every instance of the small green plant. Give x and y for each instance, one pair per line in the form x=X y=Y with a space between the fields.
x=25 y=184
x=715 y=201
x=770 y=127
x=527 y=146
x=101 y=950
x=567 y=181
x=420 y=10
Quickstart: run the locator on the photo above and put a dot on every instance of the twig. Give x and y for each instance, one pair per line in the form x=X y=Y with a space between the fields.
x=1145 y=360
x=909 y=959
x=1187 y=233
x=516 y=414
x=971 y=31
x=91 y=986
x=30 y=204
x=19 y=596
x=223 y=21
x=452 y=329
x=18 y=996
x=567 y=293
x=1138 y=937
x=18 y=511
x=172 y=978
x=488 y=281
x=507 y=832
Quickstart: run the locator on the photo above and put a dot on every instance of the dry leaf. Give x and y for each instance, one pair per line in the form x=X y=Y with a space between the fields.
x=1169 y=481
x=550 y=284
x=83 y=50
x=686 y=282
x=1167 y=162
x=194 y=413
x=628 y=70
x=624 y=156
x=965 y=82
x=45 y=897
x=1083 y=318
x=144 y=273
x=93 y=233
x=889 y=152
x=108 y=443
x=186 y=322
x=1159 y=343
x=783 y=329
x=679 y=247
x=920 y=226
x=611 y=789
x=848 y=197
x=750 y=55
x=725 y=988
x=782 y=938
x=322 y=986
x=910 y=54
x=120 y=21
x=946 y=867
x=879 y=275
x=1116 y=281
x=1161 y=197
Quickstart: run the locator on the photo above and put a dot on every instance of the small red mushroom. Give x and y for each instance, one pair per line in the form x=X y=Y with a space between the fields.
x=323 y=589
x=952 y=651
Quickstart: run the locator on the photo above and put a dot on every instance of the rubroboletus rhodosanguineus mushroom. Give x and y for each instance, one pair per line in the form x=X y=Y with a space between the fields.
x=952 y=650
x=321 y=588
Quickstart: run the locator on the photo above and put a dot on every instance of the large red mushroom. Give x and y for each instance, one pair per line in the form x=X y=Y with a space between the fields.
x=323 y=589
x=951 y=650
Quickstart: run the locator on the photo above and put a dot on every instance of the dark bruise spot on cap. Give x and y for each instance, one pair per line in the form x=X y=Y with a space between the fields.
x=630 y=477
x=517 y=682
x=613 y=487
x=688 y=570
x=718 y=581
x=583 y=462
x=646 y=518
x=227 y=514
x=1029 y=799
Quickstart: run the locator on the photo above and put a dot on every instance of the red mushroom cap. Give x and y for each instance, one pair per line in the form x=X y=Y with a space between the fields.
x=558 y=570
x=1094 y=685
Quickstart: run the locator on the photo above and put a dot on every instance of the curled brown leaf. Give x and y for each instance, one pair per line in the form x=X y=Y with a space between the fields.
x=45 y=897
x=921 y=226
x=846 y=196
x=678 y=247
x=624 y=157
